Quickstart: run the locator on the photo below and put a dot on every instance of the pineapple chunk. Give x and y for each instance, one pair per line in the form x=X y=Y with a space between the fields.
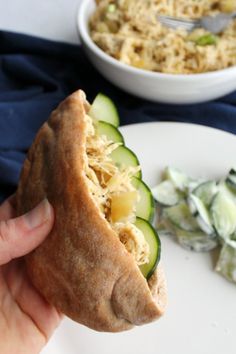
x=228 y=5
x=138 y=63
x=123 y=205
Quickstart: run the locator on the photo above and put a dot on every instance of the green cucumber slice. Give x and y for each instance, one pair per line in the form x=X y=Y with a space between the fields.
x=178 y=178
x=226 y=264
x=122 y=156
x=180 y=216
x=166 y=194
x=193 y=184
x=223 y=213
x=154 y=243
x=145 y=206
x=111 y=132
x=233 y=237
x=227 y=190
x=206 y=191
x=201 y=214
x=196 y=241
x=103 y=109
x=231 y=179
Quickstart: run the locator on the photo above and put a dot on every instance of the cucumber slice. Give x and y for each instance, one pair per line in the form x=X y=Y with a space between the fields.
x=206 y=191
x=201 y=214
x=196 y=241
x=193 y=184
x=112 y=133
x=145 y=206
x=180 y=216
x=226 y=264
x=223 y=213
x=154 y=243
x=122 y=156
x=178 y=178
x=166 y=194
x=226 y=189
x=231 y=179
x=103 y=109
x=233 y=237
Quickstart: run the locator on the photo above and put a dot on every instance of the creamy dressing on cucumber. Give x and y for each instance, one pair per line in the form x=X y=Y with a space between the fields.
x=202 y=217
x=226 y=264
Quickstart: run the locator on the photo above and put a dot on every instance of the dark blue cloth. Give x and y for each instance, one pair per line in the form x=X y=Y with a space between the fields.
x=36 y=74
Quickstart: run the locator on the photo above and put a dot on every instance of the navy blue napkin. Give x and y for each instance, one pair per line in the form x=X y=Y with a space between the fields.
x=36 y=74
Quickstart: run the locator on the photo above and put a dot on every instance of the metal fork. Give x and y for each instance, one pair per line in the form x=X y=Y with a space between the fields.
x=213 y=24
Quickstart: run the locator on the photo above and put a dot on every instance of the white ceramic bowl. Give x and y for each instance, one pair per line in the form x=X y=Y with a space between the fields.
x=168 y=88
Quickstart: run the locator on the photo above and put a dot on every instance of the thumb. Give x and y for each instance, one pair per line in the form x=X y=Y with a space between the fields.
x=21 y=235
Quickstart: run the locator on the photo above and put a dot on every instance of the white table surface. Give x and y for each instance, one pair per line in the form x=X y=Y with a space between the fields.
x=52 y=19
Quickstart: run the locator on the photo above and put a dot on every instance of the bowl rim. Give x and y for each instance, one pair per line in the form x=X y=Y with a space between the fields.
x=82 y=26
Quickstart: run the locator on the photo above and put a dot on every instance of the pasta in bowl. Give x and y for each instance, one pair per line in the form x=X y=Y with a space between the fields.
x=207 y=73
x=129 y=31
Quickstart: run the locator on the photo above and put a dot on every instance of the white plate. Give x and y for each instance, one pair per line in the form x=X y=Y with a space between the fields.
x=201 y=316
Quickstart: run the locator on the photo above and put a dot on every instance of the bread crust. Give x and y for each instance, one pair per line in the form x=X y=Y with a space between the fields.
x=82 y=268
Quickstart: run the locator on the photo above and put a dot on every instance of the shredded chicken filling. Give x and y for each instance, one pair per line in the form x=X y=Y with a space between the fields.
x=113 y=192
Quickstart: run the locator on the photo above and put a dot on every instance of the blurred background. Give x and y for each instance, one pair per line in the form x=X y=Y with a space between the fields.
x=52 y=19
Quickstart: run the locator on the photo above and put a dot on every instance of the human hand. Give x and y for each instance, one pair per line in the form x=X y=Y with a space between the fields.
x=26 y=319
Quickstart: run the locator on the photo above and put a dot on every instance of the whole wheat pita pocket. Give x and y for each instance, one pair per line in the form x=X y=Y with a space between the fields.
x=82 y=267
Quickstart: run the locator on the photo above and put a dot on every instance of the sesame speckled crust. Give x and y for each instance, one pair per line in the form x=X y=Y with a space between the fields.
x=82 y=267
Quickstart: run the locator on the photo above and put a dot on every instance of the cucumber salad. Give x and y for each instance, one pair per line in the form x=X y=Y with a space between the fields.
x=115 y=182
x=201 y=214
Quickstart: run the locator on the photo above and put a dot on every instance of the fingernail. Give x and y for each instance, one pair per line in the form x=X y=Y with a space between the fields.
x=39 y=215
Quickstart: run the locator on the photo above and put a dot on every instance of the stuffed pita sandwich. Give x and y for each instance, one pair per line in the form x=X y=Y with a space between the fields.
x=99 y=265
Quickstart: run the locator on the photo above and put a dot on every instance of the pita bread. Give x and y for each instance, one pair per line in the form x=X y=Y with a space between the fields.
x=82 y=268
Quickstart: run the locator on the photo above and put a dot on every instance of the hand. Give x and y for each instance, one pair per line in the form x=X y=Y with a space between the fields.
x=26 y=319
